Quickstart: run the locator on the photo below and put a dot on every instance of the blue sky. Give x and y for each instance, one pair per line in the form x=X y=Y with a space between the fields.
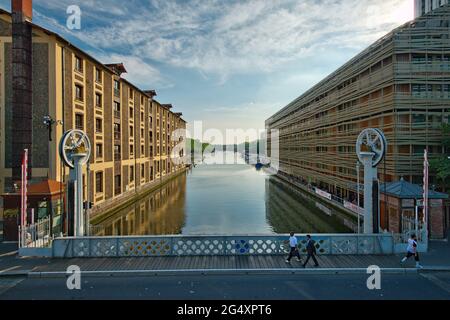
x=231 y=64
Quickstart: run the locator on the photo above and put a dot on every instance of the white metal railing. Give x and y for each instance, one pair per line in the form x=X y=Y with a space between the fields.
x=154 y=246
x=36 y=235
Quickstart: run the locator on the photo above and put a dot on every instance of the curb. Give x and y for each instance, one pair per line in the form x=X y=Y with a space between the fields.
x=435 y=269
x=7 y=274
x=205 y=272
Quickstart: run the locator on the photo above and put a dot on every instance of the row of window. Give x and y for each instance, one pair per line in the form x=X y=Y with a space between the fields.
x=99 y=184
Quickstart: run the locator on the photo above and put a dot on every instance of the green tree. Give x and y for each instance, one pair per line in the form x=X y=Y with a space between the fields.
x=441 y=164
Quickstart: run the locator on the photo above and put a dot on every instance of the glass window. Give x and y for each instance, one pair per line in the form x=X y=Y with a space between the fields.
x=98 y=100
x=78 y=64
x=99 y=150
x=98 y=75
x=98 y=126
x=131 y=173
x=79 y=95
x=99 y=182
x=79 y=121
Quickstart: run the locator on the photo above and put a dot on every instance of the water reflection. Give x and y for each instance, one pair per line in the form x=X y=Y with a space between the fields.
x=161 y=212
x=291 y=210
x=214 y=199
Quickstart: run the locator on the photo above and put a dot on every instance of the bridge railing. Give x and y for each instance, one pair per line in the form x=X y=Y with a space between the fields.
x=157 y=246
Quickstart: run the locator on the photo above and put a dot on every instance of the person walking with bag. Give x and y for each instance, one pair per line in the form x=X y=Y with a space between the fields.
x=293 y=244
x=311 y=250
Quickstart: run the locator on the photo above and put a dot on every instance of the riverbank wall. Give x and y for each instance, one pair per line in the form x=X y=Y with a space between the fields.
x=105 y=210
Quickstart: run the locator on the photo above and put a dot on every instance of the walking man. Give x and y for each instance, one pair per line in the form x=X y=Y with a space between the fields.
x=311 y=249
x=412 y=251
x=293 y=243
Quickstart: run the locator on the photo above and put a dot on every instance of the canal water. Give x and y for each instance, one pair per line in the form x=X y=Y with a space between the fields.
x=225 y=199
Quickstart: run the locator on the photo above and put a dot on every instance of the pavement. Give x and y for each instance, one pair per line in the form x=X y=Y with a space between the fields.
x=231 y=287
x=44 y=278
x=436 y=260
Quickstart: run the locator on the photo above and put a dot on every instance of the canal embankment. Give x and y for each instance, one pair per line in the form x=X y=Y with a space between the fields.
x=105 y=210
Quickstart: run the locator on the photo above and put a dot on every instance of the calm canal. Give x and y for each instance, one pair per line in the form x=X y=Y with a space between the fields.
x=217 y=199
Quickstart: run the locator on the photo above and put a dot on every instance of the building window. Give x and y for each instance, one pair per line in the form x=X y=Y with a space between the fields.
x=131 y=131
x=142 y=116
x=79 y=121
x=98 y=75
x=78 y=64
x=117 y=155
x=131 y=150
x=117 y=184
x=131 y=93
x=98 y=126
x=151 y=151
x=98 y=100
x=142 y=150
x=116 y=109
x=99 y=182
x=131 y=174
x=142 y=171
x=131 y=113
x=79 y=94
x=142 y=99
x=116 y=88
x=99 y=150
x=116 y=131
x=142 y=133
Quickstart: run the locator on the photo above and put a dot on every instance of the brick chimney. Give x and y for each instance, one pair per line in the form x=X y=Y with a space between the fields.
x=22 y=10
x=22 y=86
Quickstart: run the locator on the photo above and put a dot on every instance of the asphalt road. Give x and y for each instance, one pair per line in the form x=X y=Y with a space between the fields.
x=232 y=287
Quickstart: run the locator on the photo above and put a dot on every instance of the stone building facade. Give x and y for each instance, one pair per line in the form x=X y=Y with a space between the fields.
x=132 y=134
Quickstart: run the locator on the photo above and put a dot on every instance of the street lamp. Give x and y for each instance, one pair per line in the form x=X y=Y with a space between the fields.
x=49 y=122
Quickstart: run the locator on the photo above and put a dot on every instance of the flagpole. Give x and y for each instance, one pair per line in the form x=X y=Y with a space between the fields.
x=425 y=189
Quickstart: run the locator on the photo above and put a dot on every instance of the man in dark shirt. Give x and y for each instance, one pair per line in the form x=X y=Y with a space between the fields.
x=311 y=250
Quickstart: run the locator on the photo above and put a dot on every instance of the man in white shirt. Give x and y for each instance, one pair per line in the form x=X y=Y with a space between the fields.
x=412 y=251
x=293 y=244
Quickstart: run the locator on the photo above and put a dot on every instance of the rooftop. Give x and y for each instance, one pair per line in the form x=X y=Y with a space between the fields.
x=405 y=190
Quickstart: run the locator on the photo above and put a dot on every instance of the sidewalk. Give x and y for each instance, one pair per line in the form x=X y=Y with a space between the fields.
x=10 y=264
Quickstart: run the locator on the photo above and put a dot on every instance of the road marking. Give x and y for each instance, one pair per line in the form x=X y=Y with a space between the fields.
x=9 y=269
x=6 y=284
x=12 y=253
x=438 y=282
x=295 y=286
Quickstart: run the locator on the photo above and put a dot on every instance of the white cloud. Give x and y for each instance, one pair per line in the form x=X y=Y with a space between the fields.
x=139 y=72
x=236 y=37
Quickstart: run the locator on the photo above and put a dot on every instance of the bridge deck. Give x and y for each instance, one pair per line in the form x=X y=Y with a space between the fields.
x=217 y=262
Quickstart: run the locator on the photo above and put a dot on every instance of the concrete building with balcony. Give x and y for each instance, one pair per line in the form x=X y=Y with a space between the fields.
x=400 y=84
x=42 y=74
x=422 y=7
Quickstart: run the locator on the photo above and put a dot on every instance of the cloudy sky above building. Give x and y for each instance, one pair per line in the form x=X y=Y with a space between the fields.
x=229 y=63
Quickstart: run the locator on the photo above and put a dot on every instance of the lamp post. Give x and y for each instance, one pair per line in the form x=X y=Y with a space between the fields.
x=358 y=201
x=49 y=122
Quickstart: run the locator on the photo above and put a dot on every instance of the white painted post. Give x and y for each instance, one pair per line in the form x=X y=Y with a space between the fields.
x=370 y=173
x=78 y=174
x=358 y=190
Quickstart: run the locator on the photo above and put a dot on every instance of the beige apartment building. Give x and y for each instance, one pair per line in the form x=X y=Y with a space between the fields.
x=130 y=132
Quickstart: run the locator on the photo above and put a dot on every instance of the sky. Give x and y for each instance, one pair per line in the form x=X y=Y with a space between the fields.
x=230 y=64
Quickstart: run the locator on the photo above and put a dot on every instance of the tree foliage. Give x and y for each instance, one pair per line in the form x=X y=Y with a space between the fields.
x=441 y=164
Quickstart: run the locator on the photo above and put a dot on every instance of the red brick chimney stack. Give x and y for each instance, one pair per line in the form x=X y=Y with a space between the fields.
x=22 y=10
